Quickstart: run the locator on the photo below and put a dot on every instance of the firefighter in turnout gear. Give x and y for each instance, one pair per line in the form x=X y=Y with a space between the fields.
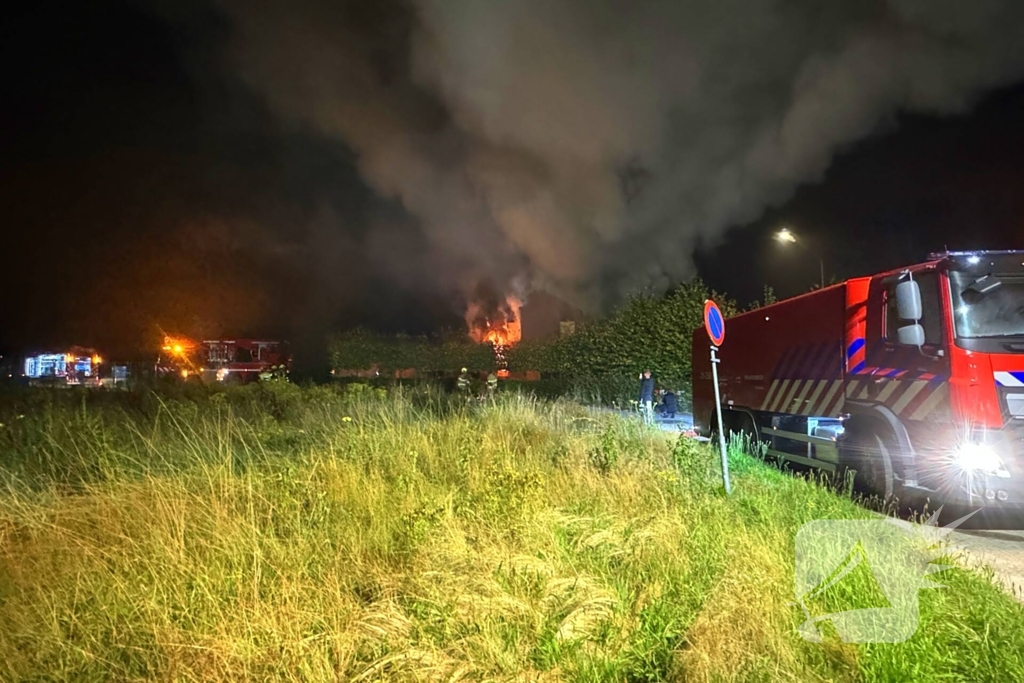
x=276 y=373
x=462 y=383
x=492 y=384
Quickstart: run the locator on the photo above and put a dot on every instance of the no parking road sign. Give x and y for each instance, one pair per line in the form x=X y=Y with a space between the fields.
x=714 y=323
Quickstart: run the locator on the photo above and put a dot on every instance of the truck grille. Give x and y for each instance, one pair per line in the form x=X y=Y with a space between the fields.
x=1013 y=404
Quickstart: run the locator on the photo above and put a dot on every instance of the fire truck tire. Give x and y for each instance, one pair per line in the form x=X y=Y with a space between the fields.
x=871 y=456
x=740 y=423
x=713 y=421
x=745 y=426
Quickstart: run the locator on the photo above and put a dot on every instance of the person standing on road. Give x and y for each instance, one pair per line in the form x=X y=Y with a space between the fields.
x=647 y=397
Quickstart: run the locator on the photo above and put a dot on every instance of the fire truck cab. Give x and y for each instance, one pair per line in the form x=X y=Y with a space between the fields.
x=913 y=379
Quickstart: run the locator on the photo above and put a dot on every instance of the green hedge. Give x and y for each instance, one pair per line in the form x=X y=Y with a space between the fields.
x=599 y=363
x=361 y=350
x=604 y=358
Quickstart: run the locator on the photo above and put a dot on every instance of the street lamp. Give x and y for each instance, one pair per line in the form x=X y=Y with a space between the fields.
x=786 y=236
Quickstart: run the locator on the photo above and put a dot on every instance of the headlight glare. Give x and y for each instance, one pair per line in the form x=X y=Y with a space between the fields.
x=977 y=457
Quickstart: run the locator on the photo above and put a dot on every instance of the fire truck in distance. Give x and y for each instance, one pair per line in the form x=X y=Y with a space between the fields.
x=220 y=360
x=913 y=379
x=77 y=365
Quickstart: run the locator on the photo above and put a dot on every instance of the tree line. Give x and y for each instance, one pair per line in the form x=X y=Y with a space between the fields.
x=599 y=361
x=362 y=349
x=604 y=357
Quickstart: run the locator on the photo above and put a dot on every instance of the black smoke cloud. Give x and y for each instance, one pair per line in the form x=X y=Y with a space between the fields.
x=590 y=144
x=146 y=189
x=287 y=168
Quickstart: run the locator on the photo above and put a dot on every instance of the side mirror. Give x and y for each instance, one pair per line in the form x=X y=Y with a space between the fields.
x=911 y=335
x=908 y=303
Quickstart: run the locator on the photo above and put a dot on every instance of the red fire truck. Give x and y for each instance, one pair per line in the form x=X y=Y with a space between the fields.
x=222 y=360
x=913 y=379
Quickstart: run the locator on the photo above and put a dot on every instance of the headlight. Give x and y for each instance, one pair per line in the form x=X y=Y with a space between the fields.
x=972 y=457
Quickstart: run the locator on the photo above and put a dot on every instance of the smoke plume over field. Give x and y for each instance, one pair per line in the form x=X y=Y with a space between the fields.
x=285 y=169
x=589 y=144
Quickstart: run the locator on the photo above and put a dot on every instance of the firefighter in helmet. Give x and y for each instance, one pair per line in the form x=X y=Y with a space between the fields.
x=274 y=373
x=462 y=383
x=492 y=384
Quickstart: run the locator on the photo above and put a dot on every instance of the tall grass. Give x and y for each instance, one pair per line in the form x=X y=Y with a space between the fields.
x=275 y=533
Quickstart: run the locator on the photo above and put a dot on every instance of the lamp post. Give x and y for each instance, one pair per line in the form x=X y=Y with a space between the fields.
x=786 y=236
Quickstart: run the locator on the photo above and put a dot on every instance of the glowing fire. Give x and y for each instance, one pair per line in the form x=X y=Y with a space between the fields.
x=500 y=328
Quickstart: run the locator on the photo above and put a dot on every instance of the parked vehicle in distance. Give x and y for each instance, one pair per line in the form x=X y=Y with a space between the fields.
x=75 y=366
x=220 y=360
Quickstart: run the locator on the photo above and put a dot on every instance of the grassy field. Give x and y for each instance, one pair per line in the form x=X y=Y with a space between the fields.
x=278 y=533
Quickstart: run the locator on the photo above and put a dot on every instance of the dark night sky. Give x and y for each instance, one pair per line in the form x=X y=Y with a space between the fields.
x=136 y=189
x=147 y=186
x=930 y=184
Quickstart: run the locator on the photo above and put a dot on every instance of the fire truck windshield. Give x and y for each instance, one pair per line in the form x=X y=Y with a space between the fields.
x=987 y=307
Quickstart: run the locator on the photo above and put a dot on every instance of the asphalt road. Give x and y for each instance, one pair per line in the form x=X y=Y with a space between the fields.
x=1003 y=551
x=680 y=423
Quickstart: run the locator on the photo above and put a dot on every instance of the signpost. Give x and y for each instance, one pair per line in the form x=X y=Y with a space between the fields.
x=714 y=324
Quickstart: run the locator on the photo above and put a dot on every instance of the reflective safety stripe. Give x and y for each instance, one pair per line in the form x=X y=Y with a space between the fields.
x=813 y=401
x=931 y=402
x=890 y=387
x=799 y=407
x=779 y=395
x=827 y=402
x=1009 y=379
x=784 y=407
x=771 y=393
x=908 y=396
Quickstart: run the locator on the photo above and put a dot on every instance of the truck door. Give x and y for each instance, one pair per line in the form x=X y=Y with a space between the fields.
x=909 y=380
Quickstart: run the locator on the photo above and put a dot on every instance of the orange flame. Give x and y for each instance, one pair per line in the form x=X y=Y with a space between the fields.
x=501 y=329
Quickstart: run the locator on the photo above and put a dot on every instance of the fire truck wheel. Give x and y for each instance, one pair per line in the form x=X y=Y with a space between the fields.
x=871 y=456
x=739 y=425
x=742 y=425
x=713 y=421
